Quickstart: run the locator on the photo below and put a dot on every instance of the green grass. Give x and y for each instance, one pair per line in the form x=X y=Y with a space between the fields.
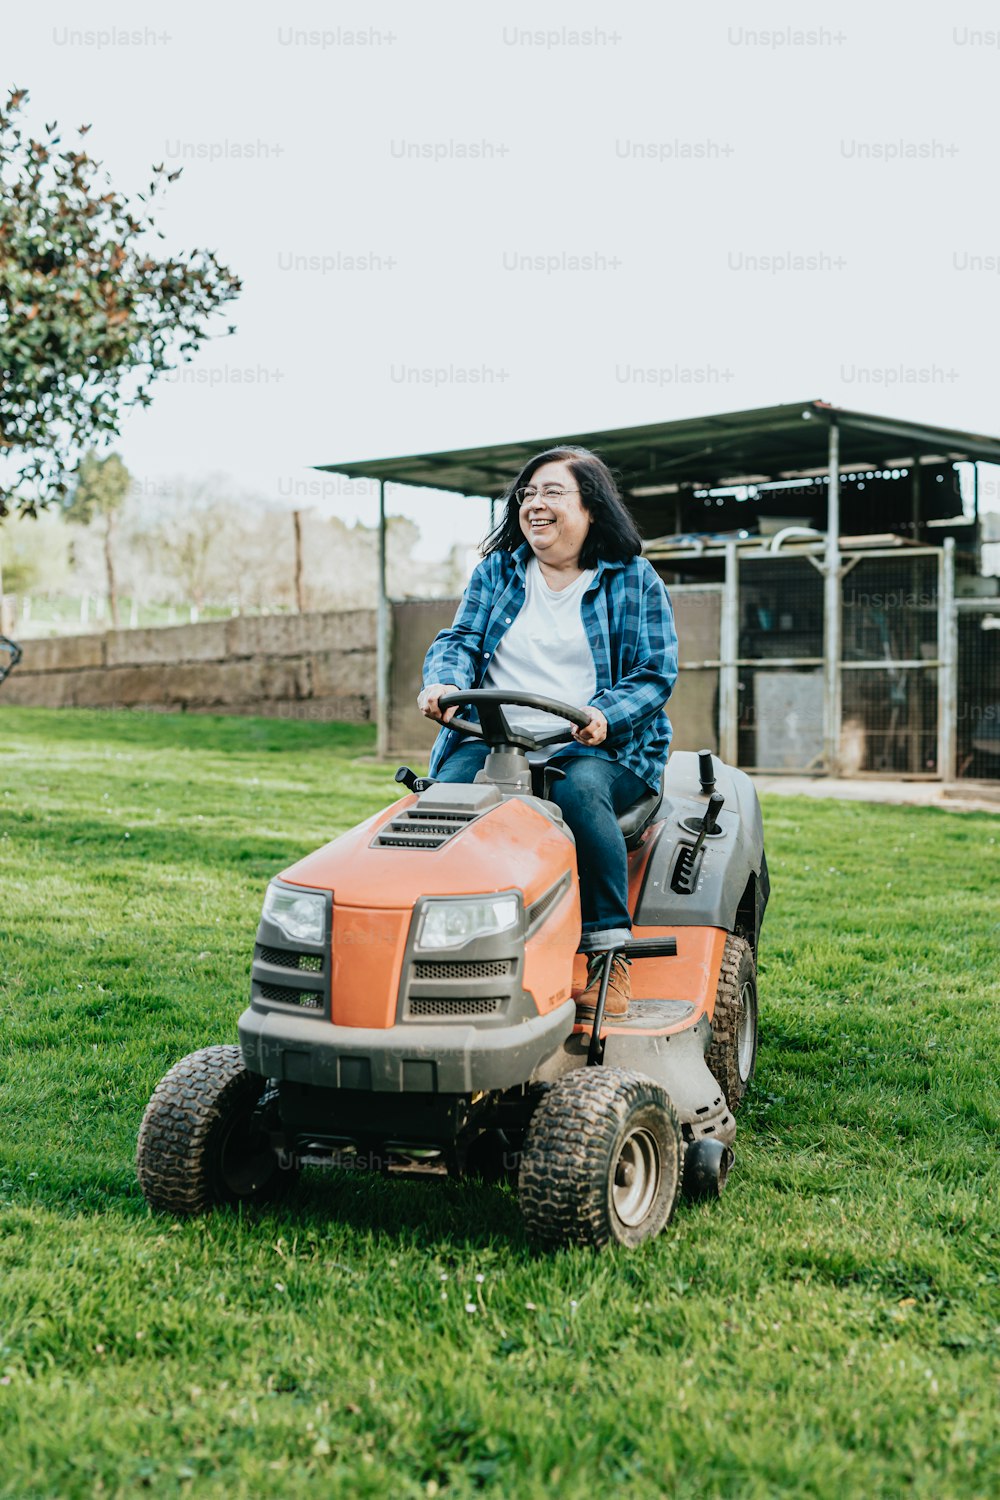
x=828 y=1329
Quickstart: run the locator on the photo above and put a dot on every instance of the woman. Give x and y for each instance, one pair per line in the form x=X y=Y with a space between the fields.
x=564 y=604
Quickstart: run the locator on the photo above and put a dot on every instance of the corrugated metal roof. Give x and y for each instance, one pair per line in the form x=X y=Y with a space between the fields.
x=769 y=442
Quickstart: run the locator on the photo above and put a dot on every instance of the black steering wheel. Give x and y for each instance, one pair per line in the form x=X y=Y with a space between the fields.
x=493 y=726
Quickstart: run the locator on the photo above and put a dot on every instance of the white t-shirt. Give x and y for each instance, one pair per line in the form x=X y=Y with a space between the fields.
x=545 y=651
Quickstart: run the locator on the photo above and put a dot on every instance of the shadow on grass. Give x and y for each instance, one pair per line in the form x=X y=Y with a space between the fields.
x=439 y=1211
x=430 y=1214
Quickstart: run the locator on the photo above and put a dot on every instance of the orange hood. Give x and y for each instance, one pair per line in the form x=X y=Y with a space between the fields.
x=513 y=845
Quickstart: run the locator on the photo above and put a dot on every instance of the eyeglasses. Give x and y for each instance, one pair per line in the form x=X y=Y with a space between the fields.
x=548 y=492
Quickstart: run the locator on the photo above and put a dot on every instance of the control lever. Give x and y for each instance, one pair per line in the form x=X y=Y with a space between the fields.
x=412 y=781
x=549 y=775
x=706 y=771
x=687 y=857
x=710 y=822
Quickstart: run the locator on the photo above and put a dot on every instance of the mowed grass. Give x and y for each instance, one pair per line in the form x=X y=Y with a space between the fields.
x=828 y=1329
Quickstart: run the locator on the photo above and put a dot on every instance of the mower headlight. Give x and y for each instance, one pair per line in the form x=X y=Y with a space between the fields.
x=449 y=924
x=300 y=915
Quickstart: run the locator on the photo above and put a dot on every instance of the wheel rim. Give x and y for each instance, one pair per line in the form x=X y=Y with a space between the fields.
x=747 y=1034
x=636 y=1177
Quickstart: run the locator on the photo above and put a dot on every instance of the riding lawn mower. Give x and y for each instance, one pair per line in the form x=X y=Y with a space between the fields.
x=412 y=1002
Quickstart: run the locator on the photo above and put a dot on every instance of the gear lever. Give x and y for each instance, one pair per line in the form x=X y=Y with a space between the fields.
x=687 y=856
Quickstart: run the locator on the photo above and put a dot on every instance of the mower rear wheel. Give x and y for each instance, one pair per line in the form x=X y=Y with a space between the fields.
x=732 y=1052
x=601 y=1160
x=202 y=1142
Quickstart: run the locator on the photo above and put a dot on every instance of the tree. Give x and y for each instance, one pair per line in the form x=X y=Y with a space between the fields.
x=89 y=315
x=196 y=540
x=101 y=487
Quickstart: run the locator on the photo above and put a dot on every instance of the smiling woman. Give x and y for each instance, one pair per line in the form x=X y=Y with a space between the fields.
x=564 y=605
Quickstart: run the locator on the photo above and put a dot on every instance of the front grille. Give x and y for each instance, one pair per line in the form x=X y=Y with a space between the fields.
x=415 y=830
x=456 y=968
x=285 y=995
x=308 y=963
x=457 y=1009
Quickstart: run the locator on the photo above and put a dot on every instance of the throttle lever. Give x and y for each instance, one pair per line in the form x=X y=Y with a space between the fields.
x=412 y=781
x=710 y=822
x=687 y=856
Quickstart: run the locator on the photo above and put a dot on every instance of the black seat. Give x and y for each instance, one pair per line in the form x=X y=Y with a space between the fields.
x=634 y=821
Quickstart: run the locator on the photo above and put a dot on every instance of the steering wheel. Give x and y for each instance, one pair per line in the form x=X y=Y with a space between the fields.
x=494 y=728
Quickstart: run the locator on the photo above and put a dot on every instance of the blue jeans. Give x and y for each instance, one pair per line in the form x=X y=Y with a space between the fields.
x=590 y=796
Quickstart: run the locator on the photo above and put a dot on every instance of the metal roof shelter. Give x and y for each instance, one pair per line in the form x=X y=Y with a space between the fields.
x=799 y=440
x=769 y=442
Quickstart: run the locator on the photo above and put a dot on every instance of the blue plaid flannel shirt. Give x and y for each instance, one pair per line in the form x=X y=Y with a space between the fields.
x=630 y=625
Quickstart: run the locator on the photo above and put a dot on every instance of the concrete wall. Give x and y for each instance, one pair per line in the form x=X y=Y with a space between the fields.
x=315 y=666
x=415 y=623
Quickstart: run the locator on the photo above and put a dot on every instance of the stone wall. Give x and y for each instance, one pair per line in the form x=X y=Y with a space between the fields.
x=314 y=666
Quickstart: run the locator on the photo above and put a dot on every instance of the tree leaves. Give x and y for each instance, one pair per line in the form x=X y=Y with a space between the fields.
x=89 y=317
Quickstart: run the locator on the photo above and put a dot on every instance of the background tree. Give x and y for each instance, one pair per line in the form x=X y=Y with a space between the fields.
x=89 y=314
x=100 y=491
x=195 y=541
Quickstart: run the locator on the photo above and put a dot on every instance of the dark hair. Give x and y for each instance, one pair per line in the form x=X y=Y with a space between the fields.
x=613 y=535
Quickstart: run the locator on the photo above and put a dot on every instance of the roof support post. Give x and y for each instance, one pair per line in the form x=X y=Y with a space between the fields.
x=947 y=663
x=975 y=490
x=916 y=513
x=729 y=672
x=977 y=532
x=832 y=610
x=382 y=638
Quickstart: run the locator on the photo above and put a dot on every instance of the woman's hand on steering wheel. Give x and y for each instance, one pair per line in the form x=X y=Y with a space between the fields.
x=427 y=701
x=595 y=732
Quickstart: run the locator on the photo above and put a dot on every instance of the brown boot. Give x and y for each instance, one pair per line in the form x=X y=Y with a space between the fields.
x=619 y=988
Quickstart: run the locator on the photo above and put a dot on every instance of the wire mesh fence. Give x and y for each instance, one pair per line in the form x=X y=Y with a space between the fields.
x=889 y=658
x=780 y=651
x=694 y=703
x=977 y=728
x=890 y=709
x=919 y=673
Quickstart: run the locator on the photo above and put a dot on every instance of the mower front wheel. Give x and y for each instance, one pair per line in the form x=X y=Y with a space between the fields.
x=203 y=1142
x=732 y=1052
x=601 y=1161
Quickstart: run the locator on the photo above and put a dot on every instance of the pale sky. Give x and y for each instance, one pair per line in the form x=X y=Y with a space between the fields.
x=574 y=217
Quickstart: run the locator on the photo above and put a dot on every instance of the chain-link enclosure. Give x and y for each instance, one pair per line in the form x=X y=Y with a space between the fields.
x=889 y=659
x=694 y=703
x=919 y=674
x=977 y=729
x=780 y=647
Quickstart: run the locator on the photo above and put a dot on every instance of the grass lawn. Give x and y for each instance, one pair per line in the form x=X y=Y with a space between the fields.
x=828 y=1329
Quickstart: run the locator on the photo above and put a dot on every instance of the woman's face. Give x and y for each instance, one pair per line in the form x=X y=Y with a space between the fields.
x=555 y=526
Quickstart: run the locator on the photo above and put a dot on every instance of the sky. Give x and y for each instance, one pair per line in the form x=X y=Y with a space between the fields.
x=462 y=224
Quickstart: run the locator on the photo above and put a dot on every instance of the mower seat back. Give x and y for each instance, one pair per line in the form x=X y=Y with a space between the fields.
x=634 y=821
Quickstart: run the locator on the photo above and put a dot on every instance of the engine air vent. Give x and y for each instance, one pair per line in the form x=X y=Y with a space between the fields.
x=286 y=958
x=539 y=909
x=456 y=968
x=458 y=1009
x=413 y=829
x=283 y=994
